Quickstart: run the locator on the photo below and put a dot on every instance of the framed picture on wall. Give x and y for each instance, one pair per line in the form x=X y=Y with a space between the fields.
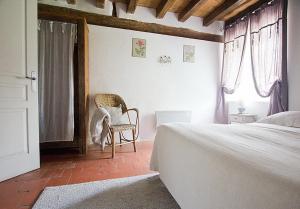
x=138 y=47
x=189 y=53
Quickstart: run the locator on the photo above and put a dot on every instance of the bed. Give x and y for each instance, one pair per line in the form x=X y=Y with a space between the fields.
x=238 y=166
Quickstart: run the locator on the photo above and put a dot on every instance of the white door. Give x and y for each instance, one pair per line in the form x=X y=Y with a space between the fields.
x=19 y=133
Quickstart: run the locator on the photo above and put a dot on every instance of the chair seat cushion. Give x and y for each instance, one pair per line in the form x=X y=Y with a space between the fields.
x=122 y=127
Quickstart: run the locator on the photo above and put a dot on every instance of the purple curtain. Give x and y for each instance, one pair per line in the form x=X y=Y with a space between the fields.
x=268 y=54
x=234 y=47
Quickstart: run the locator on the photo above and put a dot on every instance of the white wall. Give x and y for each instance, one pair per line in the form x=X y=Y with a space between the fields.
x=148 y=85
x=294 y=53
x=143 y=82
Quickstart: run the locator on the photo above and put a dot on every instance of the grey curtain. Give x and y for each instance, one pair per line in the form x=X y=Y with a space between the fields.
x=56 y=89
x=268 y=54
x=234 y=47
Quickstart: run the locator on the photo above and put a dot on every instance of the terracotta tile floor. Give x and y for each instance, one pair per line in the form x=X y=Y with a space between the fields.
x=69 y=168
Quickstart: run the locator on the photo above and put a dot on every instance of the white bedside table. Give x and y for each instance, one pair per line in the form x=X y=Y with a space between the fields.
x=242 y=118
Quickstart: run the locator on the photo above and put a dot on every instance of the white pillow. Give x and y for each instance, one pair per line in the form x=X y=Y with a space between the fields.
x=289 y=118
x=116 y=115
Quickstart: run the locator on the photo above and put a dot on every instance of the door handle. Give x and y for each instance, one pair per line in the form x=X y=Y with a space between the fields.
x=31 y=78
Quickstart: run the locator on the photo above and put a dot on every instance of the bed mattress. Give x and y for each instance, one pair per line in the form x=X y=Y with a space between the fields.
x=238 y=166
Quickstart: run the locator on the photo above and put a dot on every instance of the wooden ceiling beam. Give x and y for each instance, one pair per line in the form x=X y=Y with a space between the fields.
x=163 y=8
x=132 y=6
x=58 y=13
x=71 y=1
x=189 y=10
x=100 y=4
x=222 y=10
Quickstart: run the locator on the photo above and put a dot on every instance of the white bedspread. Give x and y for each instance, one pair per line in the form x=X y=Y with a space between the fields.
x=253 y=166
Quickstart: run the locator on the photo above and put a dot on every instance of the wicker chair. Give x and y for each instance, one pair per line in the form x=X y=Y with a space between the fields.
x=113 y=100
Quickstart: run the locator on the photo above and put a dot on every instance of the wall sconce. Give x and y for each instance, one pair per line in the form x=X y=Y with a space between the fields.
x=165 y=59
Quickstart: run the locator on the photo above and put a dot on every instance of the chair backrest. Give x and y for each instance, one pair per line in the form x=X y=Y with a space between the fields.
x=111 y=100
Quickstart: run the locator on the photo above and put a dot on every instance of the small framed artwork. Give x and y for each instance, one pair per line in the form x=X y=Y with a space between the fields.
x=189 y=53
x=138 y=47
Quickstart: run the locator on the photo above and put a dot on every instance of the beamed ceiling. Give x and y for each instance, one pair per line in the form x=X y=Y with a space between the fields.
x=210 y=10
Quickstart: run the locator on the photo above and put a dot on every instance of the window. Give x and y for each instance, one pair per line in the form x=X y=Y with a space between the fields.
x=245 y=95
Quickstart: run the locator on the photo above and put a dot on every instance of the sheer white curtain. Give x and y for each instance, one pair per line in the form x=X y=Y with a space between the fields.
x=245 y=94
x=234 y=48
x=266 y=38
x=56 y=87
x=268 y=55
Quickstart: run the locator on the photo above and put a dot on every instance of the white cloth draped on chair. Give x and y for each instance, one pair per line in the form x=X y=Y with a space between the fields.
x=56 y=87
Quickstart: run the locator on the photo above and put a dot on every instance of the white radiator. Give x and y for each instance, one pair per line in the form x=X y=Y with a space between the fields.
x=172 y=117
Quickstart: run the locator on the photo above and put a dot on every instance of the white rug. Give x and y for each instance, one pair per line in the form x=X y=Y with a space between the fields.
x=138 y=192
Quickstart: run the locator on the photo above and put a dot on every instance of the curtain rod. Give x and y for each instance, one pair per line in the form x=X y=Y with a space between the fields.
x=249 y=13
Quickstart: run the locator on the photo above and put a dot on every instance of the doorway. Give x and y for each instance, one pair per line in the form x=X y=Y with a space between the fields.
x=63 y=87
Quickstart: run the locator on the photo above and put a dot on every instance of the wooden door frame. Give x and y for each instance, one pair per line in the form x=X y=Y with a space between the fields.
x=83 y=83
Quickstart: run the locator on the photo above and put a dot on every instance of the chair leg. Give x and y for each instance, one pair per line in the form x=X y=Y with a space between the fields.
x=113 y=145
x=120 y=138
x=133 y=137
